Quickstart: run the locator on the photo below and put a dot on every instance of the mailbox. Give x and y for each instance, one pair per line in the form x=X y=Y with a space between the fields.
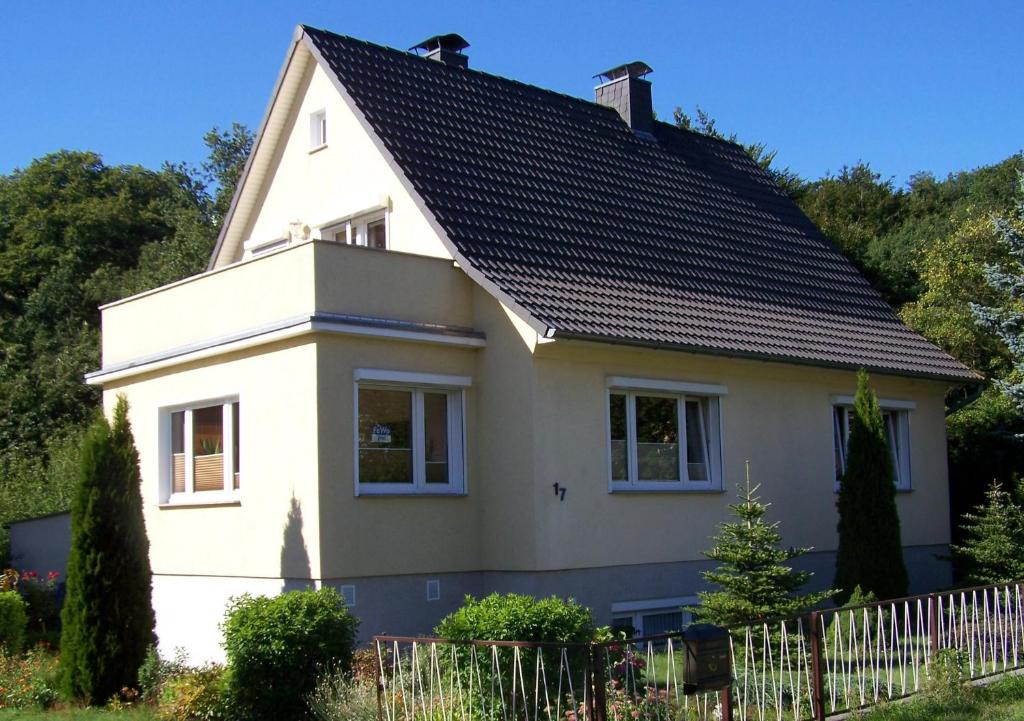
x=708 y=666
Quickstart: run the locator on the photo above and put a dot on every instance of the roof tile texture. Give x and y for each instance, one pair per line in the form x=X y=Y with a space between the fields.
x=678 y=240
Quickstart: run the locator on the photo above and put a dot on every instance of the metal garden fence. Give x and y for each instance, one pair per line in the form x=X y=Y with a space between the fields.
x=811 y=667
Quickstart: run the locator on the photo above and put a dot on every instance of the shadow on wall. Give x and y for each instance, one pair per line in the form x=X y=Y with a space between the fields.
x=295 y=569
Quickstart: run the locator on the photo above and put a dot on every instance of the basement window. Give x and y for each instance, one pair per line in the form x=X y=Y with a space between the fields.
x=652 y=617
x=409 y=433
x=204 y=460
x=895 y=421
x=317 y=130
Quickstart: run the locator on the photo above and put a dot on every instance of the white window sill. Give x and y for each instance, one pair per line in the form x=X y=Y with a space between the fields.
x=898 y=490
x=317 y=149
x=363 y=493
x=198 y=501
x=675 y=489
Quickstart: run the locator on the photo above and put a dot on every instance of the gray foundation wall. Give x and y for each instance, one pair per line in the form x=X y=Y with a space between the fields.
x=398 y=605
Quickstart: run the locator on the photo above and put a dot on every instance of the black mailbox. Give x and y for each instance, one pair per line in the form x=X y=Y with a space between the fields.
x=708 y=665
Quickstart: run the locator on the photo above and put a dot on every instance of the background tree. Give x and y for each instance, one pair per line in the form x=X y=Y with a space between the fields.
x=107 y=620
x=993 y=548
x=74 y=233
x=1007 y=319
x=870 y=553
x=753 y=579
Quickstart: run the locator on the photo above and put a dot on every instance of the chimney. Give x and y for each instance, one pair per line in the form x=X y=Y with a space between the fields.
x=624 y=89
x=446 y=49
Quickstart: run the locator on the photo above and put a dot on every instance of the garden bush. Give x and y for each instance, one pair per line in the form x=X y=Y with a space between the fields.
x=199 y=694
x=155 y=671
x=278 y=647
x=13 y=621
x=30 y=680
x=516 y=617
x=341 y=696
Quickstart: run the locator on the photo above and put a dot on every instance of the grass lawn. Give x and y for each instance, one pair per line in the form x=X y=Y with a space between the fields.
x=1002 y=700
x=143 y=713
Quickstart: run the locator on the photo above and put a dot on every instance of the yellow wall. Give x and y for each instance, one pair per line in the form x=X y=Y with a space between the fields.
x=776 y=416
x=343 y=177
x=276 y=388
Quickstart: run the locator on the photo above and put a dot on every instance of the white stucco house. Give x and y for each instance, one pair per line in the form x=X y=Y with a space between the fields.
x=462 y=334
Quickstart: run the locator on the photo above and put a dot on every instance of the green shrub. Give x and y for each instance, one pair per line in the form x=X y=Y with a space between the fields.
x=13 y=621
x=516 y=617
x=277 y=648
x=946 y=679
x=339 y=696
x=156 y=671
x=200 y=694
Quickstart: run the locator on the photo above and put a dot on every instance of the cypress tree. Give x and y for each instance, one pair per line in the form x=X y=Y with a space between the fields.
x=870 y=554
x=754 y=580
x=108 y=616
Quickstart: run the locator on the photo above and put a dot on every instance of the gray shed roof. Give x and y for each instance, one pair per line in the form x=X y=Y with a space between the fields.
x=679 y=241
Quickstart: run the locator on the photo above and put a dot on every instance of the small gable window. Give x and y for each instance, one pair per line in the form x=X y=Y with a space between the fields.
x=317 y=129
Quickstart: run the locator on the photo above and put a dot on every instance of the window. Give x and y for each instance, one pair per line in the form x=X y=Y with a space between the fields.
x=409 y=433
x=368 y=231
x=204 y=463
x=652 y=617
x=664 y=436
x=896 y=421
x=317 y=129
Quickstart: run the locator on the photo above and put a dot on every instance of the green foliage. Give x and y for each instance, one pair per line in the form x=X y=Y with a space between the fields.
x=74 y=233
x=28 y=681
x=338 y=696
x=993 y=546
x=870 y=553
x=155 y=671
x=518 y=617
x=13 y=621
x=107 y=617
x=277 y=647
x=947 y=678
x=842 y=619
x=199 y=694
x=752 y=577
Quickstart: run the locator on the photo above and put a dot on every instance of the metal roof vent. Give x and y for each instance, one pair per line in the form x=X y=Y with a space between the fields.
x=445 y=48
x=624 y=89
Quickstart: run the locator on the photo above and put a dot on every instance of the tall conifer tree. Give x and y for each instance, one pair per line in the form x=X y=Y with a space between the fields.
x=870 y=553
x=108 y=616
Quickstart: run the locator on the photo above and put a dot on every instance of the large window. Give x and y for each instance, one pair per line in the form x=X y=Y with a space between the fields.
x=895 y=420
x=204 y=463
x=664 y=435
x=409 y=433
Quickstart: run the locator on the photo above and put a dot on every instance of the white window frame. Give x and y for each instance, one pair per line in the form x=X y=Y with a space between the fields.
x=899 y=411
x=317 y=129
x=355 y=229
x=190 y=497
x=417 y=384
x=634 y=611
x=707 y=394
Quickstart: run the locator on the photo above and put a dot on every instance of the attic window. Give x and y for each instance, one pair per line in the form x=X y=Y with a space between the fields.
x=317 y=129
x=370 y=231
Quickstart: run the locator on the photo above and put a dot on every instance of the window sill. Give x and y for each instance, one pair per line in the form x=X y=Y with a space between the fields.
x=317 y=149
x=410 y=494
x=199 y=503
x=899 y=491
x=684 y=491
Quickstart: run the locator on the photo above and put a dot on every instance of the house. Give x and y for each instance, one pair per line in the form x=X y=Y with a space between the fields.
x=462 y=334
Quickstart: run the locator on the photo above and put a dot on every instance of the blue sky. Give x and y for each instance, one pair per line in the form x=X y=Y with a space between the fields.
x=907 y=86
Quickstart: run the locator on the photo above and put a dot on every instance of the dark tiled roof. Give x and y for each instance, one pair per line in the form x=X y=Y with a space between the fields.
x=679 y=241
